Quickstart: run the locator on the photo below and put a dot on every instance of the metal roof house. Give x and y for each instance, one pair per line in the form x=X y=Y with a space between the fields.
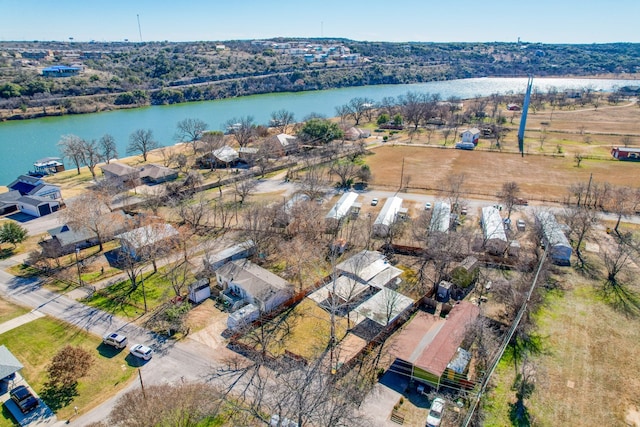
x=388 y=215
x=440 y=217
x=552 y=236
x=369 y=267
x=240 y=251
x=427 y=348
x=342 y=208
x=495 y=238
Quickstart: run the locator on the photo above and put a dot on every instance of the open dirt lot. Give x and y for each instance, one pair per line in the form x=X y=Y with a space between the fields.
x=543 y=173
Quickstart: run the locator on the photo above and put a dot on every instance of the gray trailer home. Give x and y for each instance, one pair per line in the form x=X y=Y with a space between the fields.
x=554 y=238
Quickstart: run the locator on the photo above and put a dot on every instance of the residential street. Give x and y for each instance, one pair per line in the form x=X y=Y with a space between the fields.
x=186 y=360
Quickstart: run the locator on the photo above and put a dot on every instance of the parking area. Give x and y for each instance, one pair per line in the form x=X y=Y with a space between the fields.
x=41 y=415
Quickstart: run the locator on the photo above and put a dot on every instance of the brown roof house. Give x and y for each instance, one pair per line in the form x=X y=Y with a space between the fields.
x=121 y=174
x=428 y=350
x=156 y=174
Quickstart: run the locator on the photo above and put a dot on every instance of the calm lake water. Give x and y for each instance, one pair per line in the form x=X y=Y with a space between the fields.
x=23 y=142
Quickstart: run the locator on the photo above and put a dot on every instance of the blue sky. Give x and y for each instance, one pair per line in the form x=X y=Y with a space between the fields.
x=545 y=21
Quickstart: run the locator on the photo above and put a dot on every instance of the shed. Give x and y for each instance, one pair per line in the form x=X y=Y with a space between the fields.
x=444 y=291
x=390 y=212
x=199 y=291
x=471 y=135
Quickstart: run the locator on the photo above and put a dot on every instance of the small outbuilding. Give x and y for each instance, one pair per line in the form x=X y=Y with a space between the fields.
x=199 y=291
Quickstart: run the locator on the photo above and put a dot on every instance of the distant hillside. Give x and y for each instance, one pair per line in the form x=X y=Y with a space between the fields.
x=122 y=75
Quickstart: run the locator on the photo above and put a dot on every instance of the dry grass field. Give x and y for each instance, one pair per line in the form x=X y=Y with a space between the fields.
x=542 y=174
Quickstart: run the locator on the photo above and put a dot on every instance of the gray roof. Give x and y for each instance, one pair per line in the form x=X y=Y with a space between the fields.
x=364 y=265
x=70 y=236
x=8 y=363
x=147 y=235
x=10 y=196
x=255 y=280
x=35 y=200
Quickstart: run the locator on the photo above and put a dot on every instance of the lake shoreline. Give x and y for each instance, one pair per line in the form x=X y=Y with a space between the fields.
x=87 y=106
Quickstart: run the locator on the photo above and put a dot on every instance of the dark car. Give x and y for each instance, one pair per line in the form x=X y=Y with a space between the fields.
x=24 y=399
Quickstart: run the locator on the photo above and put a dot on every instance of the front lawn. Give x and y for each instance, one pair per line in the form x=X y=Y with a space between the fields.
x=34 y=345
x=121 y=300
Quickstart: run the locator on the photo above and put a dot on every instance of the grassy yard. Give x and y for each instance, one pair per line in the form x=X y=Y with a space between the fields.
x=120 y=300
x=587 y=371
x=35 y=343
x=10 y=311
x=308 y=331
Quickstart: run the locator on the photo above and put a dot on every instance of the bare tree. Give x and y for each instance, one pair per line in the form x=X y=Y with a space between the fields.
x=72 y=147
x=357 y=108
x=244 y=188
x=108 y=149
x=182 y=404
x=211 y=141
x=346 y=170
x=581 y=221
x=243 y=129
x=618 y=287
x=281 y=120
x=141 y=141
x=191 y=131
x=509 y=196
x=91 y=155
x=90 y=212
x=453 y=188
x=194 y=212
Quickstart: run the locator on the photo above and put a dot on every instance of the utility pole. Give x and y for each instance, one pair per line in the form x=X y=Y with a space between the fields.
x=78 y=266
x=141 y=384
x=402 y=174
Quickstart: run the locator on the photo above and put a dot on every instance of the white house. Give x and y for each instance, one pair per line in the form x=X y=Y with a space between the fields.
x=35 y=187
x=37 y=206
x=440 y=217
x=245 y=282
x=390 y=212
x=495 y=238
x=552 y=236
x=369 y=267
x=471 y=135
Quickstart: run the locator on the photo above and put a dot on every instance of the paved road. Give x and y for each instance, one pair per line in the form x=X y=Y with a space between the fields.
x=172 y=362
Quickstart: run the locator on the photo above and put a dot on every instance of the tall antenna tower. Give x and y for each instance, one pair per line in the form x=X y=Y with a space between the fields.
x=139 y=28
x=523 y=117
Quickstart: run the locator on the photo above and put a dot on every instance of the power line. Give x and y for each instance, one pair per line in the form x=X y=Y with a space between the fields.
x=505 y=343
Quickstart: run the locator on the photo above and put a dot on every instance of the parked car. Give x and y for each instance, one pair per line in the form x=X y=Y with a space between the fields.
x=374 y=202
x=141 y=351
x=435 y=412
x=427 y=206
x=521 y=201
x=22 y=397
x=521 y=225
x=115 y=340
